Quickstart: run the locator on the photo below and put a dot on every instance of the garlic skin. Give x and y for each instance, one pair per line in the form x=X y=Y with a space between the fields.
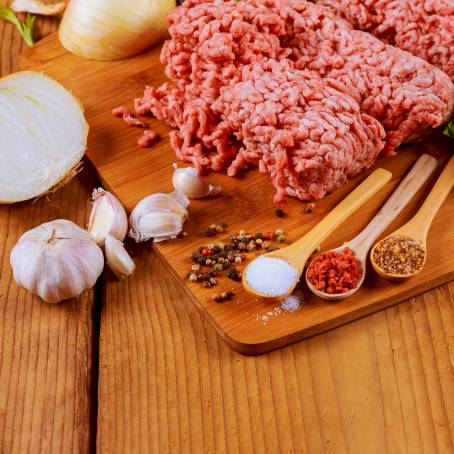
x=159 y=216
x=188 y=181
x=57 y=261
x=107 y=217
x=117 y=258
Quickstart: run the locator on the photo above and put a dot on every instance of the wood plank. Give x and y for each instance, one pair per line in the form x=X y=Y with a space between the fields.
x=46 y=382
x=167 y=383
x=246 y=204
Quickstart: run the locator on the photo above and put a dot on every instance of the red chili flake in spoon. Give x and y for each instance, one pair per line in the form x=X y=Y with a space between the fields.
x=335 y=272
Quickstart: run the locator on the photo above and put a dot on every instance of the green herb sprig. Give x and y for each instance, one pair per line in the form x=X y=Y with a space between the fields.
x=449 y=130
x=25 y=28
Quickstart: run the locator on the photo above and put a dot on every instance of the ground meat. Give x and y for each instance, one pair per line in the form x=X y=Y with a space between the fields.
x=423 y=27
x=129 y=119
x=306 y=132
x=221 y=49
x=148 y=138
x=408 y=95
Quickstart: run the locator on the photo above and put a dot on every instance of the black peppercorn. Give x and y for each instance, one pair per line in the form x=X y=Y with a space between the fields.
x=279 y=213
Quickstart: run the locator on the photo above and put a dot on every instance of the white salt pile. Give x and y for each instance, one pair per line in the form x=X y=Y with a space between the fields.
x=271 y=276
x=292 y=303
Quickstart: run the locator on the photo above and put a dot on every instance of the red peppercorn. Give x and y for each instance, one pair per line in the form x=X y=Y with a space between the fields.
x=206 y=252
x=268 y=235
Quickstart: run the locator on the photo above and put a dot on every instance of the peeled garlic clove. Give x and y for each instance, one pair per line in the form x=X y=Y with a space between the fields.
x=117 y=258
x=108 y=217
x=57 y=260
x=161 y=225
x=188 y=181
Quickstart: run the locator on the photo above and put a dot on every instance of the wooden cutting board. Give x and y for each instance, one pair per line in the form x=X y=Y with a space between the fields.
x=248 y=325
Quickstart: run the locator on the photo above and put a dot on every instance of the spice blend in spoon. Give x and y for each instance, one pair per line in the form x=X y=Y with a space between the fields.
x=399 y=255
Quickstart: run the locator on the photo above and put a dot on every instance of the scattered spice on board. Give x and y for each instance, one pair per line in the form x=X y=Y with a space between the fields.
x=214 y=229
x=399 y=255
x=279 y=213
x=215 y=260
x=310 y=207
x=335 y=272
x=292 y=303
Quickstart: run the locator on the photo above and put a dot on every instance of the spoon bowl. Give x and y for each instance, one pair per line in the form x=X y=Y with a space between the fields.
x=338 y=296
x=361 y=244
x=418 y=227
x=299 y=252
x=392 y=276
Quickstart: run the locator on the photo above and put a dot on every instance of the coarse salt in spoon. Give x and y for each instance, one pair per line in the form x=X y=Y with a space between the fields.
x=273 y=276
x=361 y=244
x=413 y=235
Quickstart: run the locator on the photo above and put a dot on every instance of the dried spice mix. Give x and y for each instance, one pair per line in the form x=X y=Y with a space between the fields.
x=399 y=255
x=335 y=272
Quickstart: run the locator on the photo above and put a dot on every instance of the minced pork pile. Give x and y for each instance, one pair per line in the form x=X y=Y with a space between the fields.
x=290 y=87
x=423 y=27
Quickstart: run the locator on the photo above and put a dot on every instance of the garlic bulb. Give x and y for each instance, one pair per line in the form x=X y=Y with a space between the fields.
x=159 y=216
x=108 y=217
x=187 y=180
x=113 y=29
x=57 y=260
x=117 y=258
x=43 y=136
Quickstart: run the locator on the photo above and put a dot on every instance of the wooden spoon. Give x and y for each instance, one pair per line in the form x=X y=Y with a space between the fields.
x=298 y=253
x=362 y=243
x=418 y=227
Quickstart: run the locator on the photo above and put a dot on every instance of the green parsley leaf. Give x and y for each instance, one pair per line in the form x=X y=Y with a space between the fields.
x=449 y=130
x=25 y=29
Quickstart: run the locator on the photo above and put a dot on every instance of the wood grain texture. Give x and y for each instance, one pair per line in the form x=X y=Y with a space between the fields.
x=45 y=350
x=246 y=204
x=383 y=384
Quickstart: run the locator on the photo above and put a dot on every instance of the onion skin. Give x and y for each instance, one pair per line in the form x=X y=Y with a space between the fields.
x=108 y=30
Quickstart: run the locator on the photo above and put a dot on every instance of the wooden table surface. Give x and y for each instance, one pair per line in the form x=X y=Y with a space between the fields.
x=131 y=367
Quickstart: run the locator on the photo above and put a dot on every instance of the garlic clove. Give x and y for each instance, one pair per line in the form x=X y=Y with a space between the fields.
x=175 y=202
x=160 y=225
x=117 y=258
x=186 y=180
x=108 y=217
x=57 y=261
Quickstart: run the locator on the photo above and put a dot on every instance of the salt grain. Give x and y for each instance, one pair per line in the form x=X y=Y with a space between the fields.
x=292 y=303
x=271 y=276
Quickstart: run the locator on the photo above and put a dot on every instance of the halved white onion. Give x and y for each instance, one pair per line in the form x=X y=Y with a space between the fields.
x=113 y=29
x=43 y=135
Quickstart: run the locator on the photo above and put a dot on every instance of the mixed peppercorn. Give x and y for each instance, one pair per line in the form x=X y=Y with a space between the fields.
x=215 y=260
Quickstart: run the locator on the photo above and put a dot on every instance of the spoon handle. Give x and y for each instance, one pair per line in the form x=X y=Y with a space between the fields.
x=370 y=186
x=409 y=186
x=423 y=219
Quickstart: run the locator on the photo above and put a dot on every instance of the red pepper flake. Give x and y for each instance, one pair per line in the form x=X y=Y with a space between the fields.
x=206 y=252
x=268 y=235
x=335 y=272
